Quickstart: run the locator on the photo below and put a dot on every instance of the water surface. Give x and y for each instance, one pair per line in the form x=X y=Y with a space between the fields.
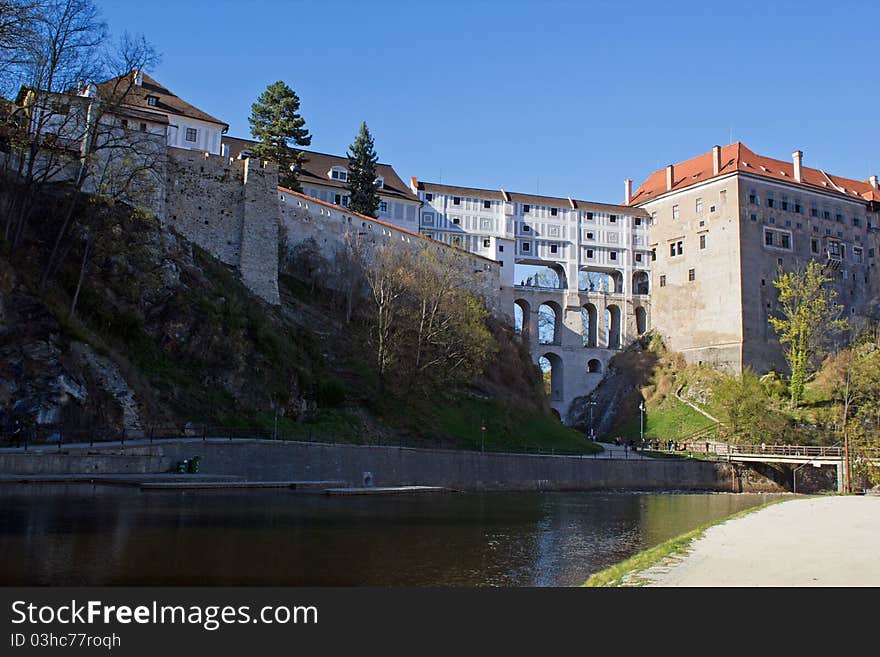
x=83 y=534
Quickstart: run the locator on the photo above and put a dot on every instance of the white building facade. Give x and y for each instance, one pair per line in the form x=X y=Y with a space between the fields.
x=601 y=257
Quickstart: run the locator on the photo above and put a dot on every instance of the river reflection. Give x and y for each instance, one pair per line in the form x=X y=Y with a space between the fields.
x=107 y=535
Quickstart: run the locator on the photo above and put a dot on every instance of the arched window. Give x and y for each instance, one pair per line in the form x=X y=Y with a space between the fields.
x=594 y=366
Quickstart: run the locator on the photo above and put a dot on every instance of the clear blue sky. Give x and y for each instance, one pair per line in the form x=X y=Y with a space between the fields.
x=564 y=98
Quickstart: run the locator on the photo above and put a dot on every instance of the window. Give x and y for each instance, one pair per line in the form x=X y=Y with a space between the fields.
x=590 y=236
x=771 y=202
x=192 y=134
x=768 y=238
x=663 y=281
x=672 y=249
x=857 y=254
x=638 y=257
x=653 y=255
x=612 y=218
x=554 y=248
x=754 y=217
x=711 y=208
x=857 y=221
x=613 y=255
x=427 y=218
x=814 y=211
x=123 y=123
x=526 y=246
x=456 y=200
x=456 y=220
x=786 y=241
x=680 y=246
x=826 y=214
x=486 y=244
x=526 y=209
x=814 y=246
x=699 y=207
x=383 y=206
x=797 y=206
x=702 y=241
x=500 y=248
x=785 y=203
x=589 y=253
x=487 y=205
x=554 y=212
x=379 y=182
x=838 y=218
x=692 y=274
x=753 y=198
x=143 y=127
x=589 y=216
x=638 y=221
x=429 y=196
x=675 y=213
x=152 y=101
x=526 y=229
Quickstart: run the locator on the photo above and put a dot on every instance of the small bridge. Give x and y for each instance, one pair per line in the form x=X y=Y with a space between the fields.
x=791 y=454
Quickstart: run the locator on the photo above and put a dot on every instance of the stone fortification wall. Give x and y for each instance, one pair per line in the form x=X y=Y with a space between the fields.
x=305 y=218
x=229 y=208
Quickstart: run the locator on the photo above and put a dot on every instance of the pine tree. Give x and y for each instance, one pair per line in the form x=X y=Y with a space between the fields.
x=362 y=174
x=277 y=125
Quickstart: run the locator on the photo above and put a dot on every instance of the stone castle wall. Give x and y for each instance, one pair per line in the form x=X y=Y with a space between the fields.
x=229 y=208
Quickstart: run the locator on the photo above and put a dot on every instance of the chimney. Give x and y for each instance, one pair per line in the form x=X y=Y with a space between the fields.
x=716 y=160
x=798 y=158
x=139 y=77
x=670 y=177
x=873 y=181
x=628 y=190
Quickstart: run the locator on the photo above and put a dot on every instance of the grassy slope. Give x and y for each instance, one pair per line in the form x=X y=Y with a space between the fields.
x=670 y=421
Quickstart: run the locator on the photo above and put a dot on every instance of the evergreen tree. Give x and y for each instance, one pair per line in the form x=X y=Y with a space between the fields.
x=362 y=174
x=277 y=125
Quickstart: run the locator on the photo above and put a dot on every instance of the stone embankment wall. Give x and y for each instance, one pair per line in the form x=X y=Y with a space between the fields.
x=281 y=461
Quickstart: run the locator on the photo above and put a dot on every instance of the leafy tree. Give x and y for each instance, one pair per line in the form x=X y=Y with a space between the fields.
x=809 y=318
x=277 y=125
x=744 y=409
x=362 y=174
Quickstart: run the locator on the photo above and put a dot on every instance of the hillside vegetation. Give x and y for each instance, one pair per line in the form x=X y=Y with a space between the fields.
x=163 y=324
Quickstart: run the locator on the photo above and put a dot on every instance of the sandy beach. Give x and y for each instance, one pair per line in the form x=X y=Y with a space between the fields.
x=828 y=541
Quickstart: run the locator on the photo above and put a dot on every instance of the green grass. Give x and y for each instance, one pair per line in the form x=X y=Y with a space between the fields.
x=674 y=421
x=507 y=429
x=615 y=575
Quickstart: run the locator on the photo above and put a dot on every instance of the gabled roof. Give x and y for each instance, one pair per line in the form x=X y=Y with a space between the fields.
x=737 y=157
x=528 y=199
x=167 y=101
x=317 y=166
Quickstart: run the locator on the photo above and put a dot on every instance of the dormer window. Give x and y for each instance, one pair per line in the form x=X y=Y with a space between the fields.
x=380 y=182
x=152 y=101
x=338 y=173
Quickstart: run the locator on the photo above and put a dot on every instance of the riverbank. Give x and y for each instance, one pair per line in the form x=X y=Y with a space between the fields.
x=823 y=541
x=262 y=460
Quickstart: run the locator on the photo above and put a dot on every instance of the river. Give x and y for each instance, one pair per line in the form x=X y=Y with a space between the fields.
x=83 y=534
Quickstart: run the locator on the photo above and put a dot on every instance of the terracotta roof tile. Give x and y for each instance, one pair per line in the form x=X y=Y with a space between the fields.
x=737 y=157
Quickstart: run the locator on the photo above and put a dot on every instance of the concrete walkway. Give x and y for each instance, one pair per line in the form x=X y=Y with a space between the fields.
x=828 y=541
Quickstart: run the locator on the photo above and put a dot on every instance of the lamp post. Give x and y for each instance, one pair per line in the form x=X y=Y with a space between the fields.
x=642 y=422
x=592 y=435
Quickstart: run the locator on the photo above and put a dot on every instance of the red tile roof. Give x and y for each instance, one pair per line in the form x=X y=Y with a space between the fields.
x=737 y=157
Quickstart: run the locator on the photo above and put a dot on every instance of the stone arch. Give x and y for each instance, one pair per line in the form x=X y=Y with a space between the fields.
x=551 y=364
x=522 y=320
x=549 y=323
x=600 y=279
x=594 y=366
x=641 y=282
x=590 y=325
x=641 y=320
x=612 y=323
x=617 y=280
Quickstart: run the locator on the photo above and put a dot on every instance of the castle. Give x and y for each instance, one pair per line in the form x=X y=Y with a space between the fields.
x=691 y=254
